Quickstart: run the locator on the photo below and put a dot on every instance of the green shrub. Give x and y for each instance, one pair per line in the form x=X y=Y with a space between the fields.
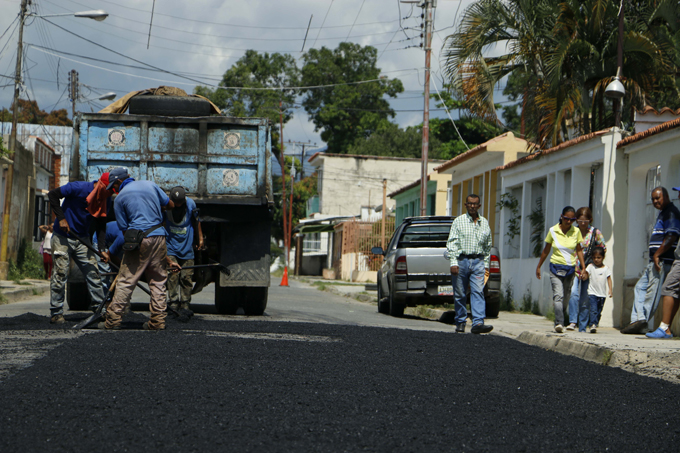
x=29 y=264
x=506 y=298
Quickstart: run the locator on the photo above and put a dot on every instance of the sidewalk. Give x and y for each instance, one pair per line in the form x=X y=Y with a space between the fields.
x=634 y=353
x=13 y=292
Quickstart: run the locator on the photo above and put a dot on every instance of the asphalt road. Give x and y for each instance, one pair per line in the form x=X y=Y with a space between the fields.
x=319 y=373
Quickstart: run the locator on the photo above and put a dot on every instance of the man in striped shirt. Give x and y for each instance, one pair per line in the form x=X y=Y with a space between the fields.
x=662 y=243
x=469 y=247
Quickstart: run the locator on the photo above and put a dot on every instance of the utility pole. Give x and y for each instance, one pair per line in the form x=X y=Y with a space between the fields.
x=283 y=196
x=302 y=156
x=12 y=144
x=384 y=214
x=428 y=6
x=73 y=90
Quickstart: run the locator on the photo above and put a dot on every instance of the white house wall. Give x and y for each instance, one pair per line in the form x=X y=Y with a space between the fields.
x=566 y=174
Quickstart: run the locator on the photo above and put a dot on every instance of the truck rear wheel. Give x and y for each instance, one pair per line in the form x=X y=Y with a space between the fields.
x=255 y=300
x=169 y=106
x=227 y=299
x=396 y=310
x=78 y=296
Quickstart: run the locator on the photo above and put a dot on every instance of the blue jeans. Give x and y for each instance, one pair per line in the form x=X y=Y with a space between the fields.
x=63 y=250
x=578 y=304
x=470 y=274
x=648 y=293
x=596 y=305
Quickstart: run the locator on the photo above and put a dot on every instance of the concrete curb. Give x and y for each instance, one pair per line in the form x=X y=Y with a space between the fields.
x=16 y=293
x=590 y=352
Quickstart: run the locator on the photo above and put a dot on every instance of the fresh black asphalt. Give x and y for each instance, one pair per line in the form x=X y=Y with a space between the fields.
x=226 y=386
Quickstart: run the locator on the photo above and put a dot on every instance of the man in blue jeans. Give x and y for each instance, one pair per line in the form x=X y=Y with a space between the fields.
x=662 y=243
x=469 y=247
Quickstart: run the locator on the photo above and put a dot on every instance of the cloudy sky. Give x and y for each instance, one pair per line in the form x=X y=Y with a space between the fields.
x=201 y=39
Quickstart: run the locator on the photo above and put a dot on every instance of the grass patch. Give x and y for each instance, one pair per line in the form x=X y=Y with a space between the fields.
x=551 y=315
x=336 y=283
x=278 y=273
x=29 y=265
x=3 y=298
x=607 y=356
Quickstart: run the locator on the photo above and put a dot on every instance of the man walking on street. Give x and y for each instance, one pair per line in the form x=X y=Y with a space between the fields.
x=139 y=213
x=670 y=293
x=469 y=247
x=84 y=202
x=181 y=223
x=662 y=242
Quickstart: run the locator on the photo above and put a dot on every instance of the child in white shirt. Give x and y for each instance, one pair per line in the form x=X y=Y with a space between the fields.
x=600 y=276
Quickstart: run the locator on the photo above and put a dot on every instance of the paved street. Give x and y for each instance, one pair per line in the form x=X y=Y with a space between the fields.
x=318 y=373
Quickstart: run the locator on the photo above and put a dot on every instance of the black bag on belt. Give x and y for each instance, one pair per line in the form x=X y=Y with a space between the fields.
x=134 y=237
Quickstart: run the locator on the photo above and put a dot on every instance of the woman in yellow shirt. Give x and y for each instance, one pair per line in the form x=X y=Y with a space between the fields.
x=567 y=240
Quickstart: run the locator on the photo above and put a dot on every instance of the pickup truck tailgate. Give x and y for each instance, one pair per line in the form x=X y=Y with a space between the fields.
x=427 y=261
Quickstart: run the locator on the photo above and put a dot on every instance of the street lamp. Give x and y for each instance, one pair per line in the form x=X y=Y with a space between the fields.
x=615 y=89
x=97 y=15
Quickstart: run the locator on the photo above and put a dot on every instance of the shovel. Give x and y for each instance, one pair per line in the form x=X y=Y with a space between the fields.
x=98 y=311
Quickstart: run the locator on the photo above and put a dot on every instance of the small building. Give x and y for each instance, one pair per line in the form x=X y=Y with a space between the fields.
x=475 y=171
x=407 y=198
x=347 y=182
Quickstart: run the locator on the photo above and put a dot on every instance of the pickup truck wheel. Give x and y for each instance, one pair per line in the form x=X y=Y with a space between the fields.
x=396 y=310
x=493 y=306
x=255 y=300
x=77 y=296
x=383 y=302
x=227 y=299
x=169 y=106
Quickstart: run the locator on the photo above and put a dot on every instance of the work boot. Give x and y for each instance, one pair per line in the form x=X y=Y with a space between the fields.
x=146 y=326
x=57 y=319
x=634 y=328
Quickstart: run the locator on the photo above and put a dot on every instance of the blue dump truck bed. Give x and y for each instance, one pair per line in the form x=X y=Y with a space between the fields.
x=224 y=165
x=225 y=160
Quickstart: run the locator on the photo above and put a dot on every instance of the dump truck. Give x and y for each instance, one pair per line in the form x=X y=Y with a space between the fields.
x=224 y=164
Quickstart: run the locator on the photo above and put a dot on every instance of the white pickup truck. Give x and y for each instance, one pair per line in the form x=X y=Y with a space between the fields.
x=416 y=270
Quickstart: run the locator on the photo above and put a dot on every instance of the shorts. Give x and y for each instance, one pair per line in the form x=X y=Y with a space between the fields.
x=671 y=287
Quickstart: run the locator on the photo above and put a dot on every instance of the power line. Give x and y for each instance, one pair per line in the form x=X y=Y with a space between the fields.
x=322 y=23
x=355 y=20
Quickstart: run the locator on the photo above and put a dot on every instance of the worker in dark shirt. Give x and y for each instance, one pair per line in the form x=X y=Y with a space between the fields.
x=84 y=203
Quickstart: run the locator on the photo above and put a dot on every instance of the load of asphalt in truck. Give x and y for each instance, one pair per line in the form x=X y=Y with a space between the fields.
x=222 y=162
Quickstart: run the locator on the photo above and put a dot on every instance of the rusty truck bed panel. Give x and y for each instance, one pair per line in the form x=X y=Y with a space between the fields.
x=214 y=158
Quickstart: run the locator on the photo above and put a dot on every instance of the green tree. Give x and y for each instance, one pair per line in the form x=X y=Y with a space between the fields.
x=348 y=109
x=562 y=54
x=258 y=70
x=30 y=113
x=303 y=190
x=391 y=140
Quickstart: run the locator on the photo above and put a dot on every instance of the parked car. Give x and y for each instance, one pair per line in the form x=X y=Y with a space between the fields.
x=416 y=269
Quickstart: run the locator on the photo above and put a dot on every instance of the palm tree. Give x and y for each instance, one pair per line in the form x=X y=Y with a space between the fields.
x=565 y=55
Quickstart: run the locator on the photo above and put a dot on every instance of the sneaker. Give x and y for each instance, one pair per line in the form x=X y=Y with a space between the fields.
x=559 y=328
x=593 y=329
x=571 y=326
x=659 y=334
x=636 y=327
x=481 y=328
x=460 y=327
x=57 y=319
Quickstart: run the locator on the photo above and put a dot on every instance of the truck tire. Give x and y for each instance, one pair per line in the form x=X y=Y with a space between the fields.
x=254 y=300
x=227 y=299
x=169 y=106
x=493 y=306
x=77 y=296
x=383 y=302
x=396 y=309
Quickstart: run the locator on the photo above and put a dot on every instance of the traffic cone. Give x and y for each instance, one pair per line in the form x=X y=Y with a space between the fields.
x=284 y=280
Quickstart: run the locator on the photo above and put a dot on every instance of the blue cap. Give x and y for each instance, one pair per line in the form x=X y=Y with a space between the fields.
x=117 y=174
x=676 y=188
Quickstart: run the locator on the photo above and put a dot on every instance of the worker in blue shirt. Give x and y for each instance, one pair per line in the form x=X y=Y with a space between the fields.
x=139 y=210
x=114 y=242
x=182 y=224
x=84 y=203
